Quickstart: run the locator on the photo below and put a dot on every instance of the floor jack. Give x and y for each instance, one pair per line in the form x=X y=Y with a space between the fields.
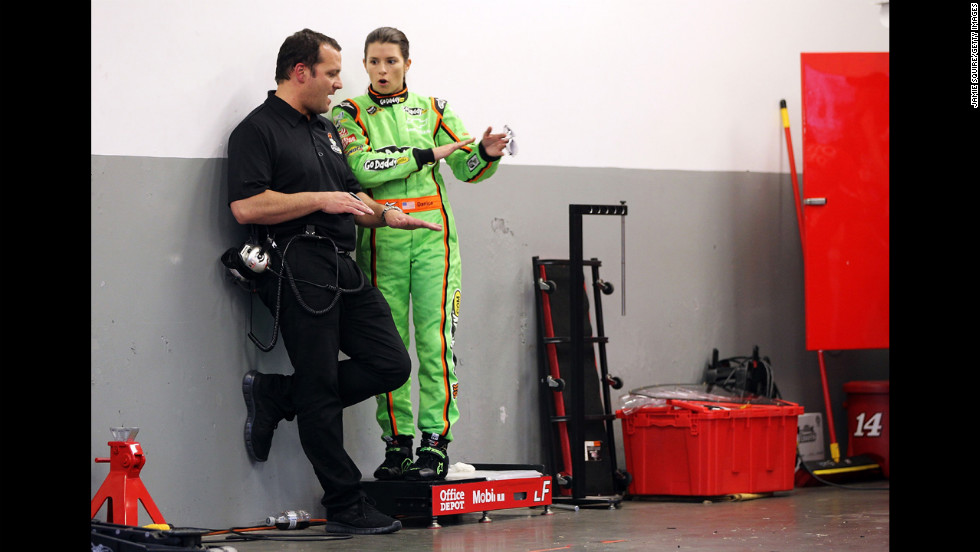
x=124 y=491
x=576 y=409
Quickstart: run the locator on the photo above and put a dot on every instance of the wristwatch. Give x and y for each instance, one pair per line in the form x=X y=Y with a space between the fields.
x=389 y=206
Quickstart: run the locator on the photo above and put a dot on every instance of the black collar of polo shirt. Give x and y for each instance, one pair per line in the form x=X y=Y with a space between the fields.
x=288 y=112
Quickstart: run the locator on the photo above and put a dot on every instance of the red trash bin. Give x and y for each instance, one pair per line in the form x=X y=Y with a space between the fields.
x=867 y=420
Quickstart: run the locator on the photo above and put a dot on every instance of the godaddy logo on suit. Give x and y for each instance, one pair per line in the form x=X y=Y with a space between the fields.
x=384 y=163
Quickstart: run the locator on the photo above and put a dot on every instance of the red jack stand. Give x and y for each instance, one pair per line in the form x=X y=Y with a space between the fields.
x=122 y=487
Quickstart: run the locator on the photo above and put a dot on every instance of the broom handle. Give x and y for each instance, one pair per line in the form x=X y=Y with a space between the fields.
x=792 y=168
x=834 y=449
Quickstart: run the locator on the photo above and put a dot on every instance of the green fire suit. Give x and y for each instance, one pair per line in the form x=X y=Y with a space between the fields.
x=388 y=142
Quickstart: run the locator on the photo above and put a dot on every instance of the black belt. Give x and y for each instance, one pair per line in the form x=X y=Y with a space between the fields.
x=292 y=230
x=282 y=235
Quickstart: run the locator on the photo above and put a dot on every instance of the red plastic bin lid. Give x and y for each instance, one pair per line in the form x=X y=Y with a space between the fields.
x=868 y=387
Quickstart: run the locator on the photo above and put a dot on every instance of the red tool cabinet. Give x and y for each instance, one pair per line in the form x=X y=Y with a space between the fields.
x=846 y=199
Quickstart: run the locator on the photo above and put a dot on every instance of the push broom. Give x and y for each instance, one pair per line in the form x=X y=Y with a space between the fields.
x=835 y=468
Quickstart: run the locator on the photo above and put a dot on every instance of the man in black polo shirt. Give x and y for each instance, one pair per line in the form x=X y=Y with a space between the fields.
x=287 y=177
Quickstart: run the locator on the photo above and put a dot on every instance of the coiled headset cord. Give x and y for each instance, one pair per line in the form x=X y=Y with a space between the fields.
x=287 y=275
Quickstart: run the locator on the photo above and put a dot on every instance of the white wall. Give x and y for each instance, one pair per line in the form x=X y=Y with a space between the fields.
x=660 y=84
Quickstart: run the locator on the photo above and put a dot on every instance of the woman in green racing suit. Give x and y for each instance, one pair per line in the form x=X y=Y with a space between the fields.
x=394 y=141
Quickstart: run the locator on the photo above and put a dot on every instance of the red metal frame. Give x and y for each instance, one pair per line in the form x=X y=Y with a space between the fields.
x=549 y=332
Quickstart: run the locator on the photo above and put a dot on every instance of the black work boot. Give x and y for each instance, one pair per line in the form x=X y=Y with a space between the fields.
x=432 y=459
x=398 y=457
x=263 y=416
x=362 y=518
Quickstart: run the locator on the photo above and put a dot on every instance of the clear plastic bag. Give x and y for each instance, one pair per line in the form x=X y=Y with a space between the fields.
x=658 y=395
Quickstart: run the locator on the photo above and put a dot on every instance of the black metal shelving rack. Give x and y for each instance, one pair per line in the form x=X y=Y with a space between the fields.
x=581 y=483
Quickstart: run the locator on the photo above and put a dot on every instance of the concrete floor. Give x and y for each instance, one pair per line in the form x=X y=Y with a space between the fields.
x=807 y=518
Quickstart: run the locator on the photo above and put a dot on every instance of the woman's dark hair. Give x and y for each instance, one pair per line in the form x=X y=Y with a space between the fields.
x=387 y=35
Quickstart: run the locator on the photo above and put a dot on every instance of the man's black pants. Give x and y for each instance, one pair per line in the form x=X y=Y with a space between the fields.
x=359 y=324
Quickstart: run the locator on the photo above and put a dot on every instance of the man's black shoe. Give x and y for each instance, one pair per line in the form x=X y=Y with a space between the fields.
x=362 y=518
x=397 y=460
x=432 y=464
x=261 y=420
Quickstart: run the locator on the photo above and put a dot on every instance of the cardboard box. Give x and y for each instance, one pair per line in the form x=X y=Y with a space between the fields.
x=809 y=436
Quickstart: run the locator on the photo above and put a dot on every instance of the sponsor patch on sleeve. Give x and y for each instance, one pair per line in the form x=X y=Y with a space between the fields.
x=384 y=163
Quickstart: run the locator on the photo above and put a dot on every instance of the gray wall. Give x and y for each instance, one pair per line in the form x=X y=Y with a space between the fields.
x=712 y=261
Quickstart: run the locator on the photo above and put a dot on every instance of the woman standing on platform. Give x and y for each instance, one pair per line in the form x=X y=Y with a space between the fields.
x=394 y=141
